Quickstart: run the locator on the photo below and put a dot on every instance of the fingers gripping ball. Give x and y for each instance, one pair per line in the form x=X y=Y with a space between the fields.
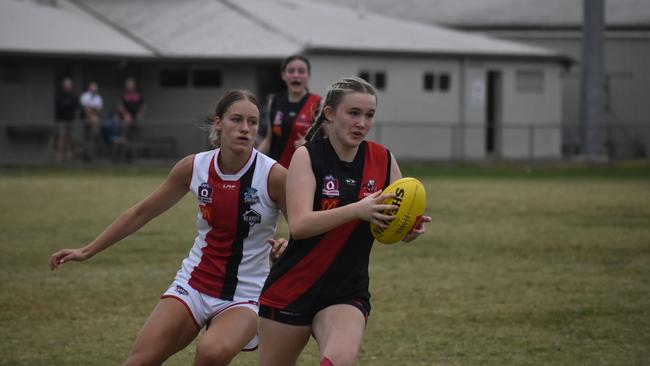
x=411 y=200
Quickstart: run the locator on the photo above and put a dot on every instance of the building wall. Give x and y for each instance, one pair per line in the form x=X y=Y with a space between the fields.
x=626 y=55
x=529 y=121
x=413 y=122
x=417 y=124
x=30 y=98
x=181 y=111
x=174 y=116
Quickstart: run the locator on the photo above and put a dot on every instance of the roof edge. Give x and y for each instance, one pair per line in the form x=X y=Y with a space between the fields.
x=320 y=50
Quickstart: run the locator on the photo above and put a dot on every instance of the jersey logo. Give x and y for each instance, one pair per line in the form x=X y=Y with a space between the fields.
x=205 y=193
x=252 y=217
x=206 y=213
x=329 y=203
x=181 y=290
x=350 y=182
x=302 y=120
x=369 y=188
x=277 y=123
x=330 y=186
x=229 y=186
x=250 y=196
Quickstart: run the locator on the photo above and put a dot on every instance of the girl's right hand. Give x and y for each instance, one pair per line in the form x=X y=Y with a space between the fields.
x=66 y=255
x=371 y=209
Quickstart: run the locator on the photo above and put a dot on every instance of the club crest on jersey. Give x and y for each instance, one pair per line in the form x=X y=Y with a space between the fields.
x=277 y=123
x=302 y=119
x=330 y=186
x=205 y=193
x=329 y=203
x=252 y=217
x=369 y=188
x=250 y=196
x=181 y=290
x=278 y=118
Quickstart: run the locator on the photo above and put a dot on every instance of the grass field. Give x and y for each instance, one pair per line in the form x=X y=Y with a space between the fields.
x=545 y=267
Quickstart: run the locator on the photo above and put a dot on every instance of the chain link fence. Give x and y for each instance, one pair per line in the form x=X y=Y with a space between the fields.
x=35 y=142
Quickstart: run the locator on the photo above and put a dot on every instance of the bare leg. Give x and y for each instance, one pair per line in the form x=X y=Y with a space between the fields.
x=169 y=329
x=227 y=334
x=338 y=329
x=281 y=344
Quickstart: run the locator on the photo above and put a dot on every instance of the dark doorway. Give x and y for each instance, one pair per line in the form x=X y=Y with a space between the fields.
x=269 y=83
x=493 y=112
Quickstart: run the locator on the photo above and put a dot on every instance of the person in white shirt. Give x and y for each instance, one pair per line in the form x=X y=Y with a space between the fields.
x=91 y=104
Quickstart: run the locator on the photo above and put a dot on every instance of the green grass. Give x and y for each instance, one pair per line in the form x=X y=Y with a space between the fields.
x=521 y=266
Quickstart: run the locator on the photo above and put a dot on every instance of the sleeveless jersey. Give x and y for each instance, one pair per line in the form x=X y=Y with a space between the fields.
x=230 y=256
x=287 y=121
x=333 y=266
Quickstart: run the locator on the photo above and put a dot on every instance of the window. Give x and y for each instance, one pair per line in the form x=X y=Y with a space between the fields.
x=173 y=78
x=530 y=81
x=380 y=80
x=365 y=75
x=206 y=78
x=11 y=73
x=428 y=82
x=377 y=78
x=444 y=82
x=440 y=81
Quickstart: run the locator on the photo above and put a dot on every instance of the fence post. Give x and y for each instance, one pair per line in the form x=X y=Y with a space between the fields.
x=531 y=142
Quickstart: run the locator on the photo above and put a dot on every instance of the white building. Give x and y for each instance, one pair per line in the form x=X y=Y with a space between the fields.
x=557 y=25
x=443 y=94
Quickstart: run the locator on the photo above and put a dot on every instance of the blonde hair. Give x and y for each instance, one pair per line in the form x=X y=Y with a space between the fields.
x=227 y=99
x=335 y=94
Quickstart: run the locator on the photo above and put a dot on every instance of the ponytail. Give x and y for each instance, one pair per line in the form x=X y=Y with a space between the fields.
x=333 y=98
x=315 y=131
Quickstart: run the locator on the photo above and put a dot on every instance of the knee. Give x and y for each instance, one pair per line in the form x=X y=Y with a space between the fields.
x=215 y=353
x=141 y=359
x=340 y=358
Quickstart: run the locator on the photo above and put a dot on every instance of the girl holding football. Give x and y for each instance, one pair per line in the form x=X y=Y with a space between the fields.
x=320 y=285
x=290 y=114
x=240 y=193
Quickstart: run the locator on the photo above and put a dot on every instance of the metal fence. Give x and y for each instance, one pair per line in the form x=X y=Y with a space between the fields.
x=35 y=142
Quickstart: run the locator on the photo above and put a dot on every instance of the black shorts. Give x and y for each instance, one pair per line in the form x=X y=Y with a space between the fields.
x=307 y=317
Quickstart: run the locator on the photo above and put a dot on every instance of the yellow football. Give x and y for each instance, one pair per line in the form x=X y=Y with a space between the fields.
x=410 y=199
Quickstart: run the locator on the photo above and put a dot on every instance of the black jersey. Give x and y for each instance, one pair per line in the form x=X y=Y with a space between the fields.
x=287 y=121
x=331 y=267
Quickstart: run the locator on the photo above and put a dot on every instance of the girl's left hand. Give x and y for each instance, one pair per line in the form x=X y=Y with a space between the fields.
x=278 y=246
x=418 y=229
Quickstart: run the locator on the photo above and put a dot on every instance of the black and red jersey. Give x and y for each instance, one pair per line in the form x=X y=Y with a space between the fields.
x=331 y=267
x=288 y=120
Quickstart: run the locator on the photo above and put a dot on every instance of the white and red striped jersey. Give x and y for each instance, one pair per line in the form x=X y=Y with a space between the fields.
x=230 y=256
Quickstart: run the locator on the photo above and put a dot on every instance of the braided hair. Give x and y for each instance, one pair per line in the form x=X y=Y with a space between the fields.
x=335 y=94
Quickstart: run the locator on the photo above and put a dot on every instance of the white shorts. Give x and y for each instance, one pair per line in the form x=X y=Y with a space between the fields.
x=204 y=308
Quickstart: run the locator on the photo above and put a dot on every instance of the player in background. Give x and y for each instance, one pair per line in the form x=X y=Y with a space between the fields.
x=320 y=285
x=240 y=193
x=291 y=113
